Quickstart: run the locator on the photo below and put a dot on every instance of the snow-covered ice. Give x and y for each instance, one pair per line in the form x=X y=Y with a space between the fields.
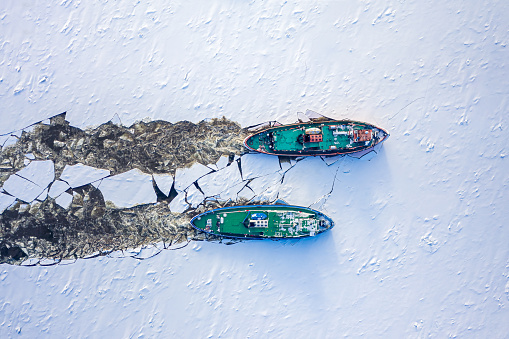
x=41 y=173
x=58 y=187
x=128 y=189
x=179 y=204
x=164 y=182
x=194 y=196
x=184 y=177
x=22 y=189
x=30 y=182
x=258 y=165
x=222 y=162
x=64 y=200
x=6 y=201
x=217 y=182
x=79 y=174
x=420 y=243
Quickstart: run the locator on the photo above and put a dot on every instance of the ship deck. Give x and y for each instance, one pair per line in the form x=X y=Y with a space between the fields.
x=280 y=222
x=331 y=137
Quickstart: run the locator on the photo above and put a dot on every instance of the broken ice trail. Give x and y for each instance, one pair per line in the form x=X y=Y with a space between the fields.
x=66 y=193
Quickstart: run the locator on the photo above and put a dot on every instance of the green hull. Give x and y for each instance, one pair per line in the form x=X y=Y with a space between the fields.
x=263 y=221
x=331 y=137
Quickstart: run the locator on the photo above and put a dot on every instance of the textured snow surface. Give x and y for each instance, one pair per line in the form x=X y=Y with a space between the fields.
x=420 y=247
x=79 y=174
x=128 y=189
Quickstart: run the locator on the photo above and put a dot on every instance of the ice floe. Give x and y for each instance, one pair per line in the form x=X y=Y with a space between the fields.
x=41 y=173
x=262 y=184
x=194 y=196
x=128 y=189
x=64 y=200
x=79 y=174
x=58 y=187
x=179 y=204
x=222 y=162
x=215 y=183
x=246 y=193
x=43 y=195
x=311 y=177
x=231 y=191
x=332 y=160
x=22 y=188
x=184 y=177
x=6 y=201
x=164 y=182
x=257 y=165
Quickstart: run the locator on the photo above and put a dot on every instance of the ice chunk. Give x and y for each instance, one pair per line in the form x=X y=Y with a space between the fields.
x=302 y=117
x=331 y=160
x=57 y=188
x=262 y=184
x=64 y=200
x=22 y=189
x=3 y=139
x=8 y=140
x=284 y=163
x=30 y=156
x=6 y=201
x=41 y=173
x=257 y=165
x=194 y=196
x=231 y=191
x=184 y=177
x=129 y=189
x=179 y=204
x=246 y=193
x=215 y=183
x=79 y=174
x=222 y=162
x=164 y=182
x=43 y=195
x=311 y=178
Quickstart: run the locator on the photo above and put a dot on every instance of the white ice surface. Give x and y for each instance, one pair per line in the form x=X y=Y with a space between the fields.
x=215 y=183
x=164 y=182
x=179 y=204
x=194 y=196
x=6 y=201
x=43 y=195
x=58 y=187
x=22 y=188
x=184 y=177
x=64 y=200
x=246 y=193
x=222 y=162
x=128 y=189
x=420 y=244
x=257 y=165
x=41 y=173
x=79 y=174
